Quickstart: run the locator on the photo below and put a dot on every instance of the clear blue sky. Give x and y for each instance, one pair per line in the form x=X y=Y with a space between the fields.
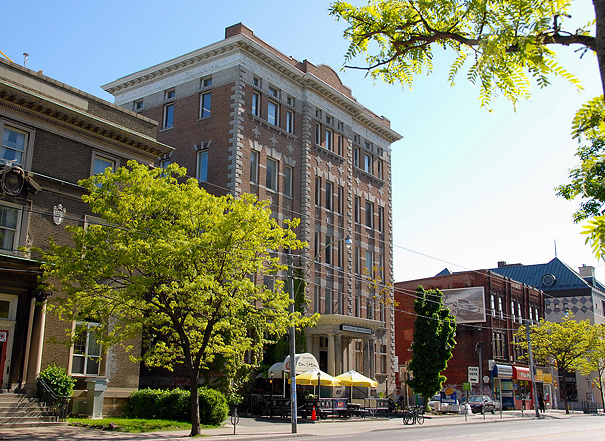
x=470 y=187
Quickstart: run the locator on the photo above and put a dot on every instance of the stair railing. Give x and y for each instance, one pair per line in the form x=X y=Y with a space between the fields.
x=56 y=403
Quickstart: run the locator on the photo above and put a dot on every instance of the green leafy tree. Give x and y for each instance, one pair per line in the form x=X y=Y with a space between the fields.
x=563 y=343
x=433 y=343
x=503 y=46
x=593 y=362
x=174 y=261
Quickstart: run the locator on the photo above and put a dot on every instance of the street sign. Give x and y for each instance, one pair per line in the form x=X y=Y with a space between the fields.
x=466 y=386
x=473 y=374
x=486 y=379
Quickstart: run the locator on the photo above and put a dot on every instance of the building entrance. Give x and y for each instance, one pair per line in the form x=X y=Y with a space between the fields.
x=3 y=344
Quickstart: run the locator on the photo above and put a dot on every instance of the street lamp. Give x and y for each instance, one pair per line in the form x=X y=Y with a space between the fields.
x=293 y=399
x=271 y=381
x=318 y=385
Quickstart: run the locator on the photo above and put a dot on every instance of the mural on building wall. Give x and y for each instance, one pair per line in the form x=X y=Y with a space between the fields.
x=467 y=304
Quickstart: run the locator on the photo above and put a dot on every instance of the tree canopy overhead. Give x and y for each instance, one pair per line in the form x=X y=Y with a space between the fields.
x=168 y=258
x=503 y=43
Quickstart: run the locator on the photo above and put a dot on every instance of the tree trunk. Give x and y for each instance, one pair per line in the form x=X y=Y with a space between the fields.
x=195 y=403
x=599 y=8
x=564 y=390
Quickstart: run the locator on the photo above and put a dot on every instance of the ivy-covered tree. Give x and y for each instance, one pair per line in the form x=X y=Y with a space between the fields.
x=563 y=343
x=503 y=46
x=168 y=258
x=433 y=343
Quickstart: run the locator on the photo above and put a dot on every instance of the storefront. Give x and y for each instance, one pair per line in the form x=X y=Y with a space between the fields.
x=522 y=387
x=502 y=376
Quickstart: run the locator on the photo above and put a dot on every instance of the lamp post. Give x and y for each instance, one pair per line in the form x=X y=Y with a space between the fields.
x=318 y=385
x=293 y=399
x=271 y=382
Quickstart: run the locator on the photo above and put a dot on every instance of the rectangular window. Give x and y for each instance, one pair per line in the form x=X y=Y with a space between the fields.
x=273 y=92
x=379 y=169
x=339 y=145
x=100 y=164
x=169 y=94
x=357 y=260
x=329 y=250
x=370 y=262
x=202 y=165
x=381 y=219
x=520 y=312
x=288 y=181
x=356 y=138
x=381 y=266
x=254 y=167
x=329 y=195
x=500 y=308
x=369 y=310
x=493 y=304
x=318 y=113
x=339 y=255
x=317 y=133
x=316 y=300
x=86 y=349
x=329 y=145
x=369 y=214
x=317 y=244
x=205 y=104
x=9 y=218
x=137 y=106
x=329 y=120
x=273 y=113
x=317 y=191
x=290 y=101
x=168 y=116
x=14 y=143
x=355 y=156
x=340 y=303
x=329 y=301
x=341 y=192
x=513 y=311
x=257 y=82
x=256 y=104
x=207 y=82
x=164 y=163
x=357 y=209
x=499 y=345
x=290 y=121
x=271 y=179
x=367 y=163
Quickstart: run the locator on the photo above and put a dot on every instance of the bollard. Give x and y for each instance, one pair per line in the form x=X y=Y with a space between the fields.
x=234 y=419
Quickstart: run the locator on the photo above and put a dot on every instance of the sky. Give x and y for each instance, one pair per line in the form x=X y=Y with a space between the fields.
x=471 y=187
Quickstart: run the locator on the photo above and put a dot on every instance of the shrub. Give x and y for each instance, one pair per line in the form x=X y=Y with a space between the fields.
x=213 y=406
x=175 y=405
x=144 y=403
x=58 y=380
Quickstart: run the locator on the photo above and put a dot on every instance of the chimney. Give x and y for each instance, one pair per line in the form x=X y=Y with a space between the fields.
x=501 y=264
x=586 y=271
x=238 y=28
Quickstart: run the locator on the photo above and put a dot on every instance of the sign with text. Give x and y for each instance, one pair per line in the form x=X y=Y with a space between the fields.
x=473 y=374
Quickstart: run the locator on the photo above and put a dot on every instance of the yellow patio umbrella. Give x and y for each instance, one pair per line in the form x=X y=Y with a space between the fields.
x=354 y=378
x=310 y=378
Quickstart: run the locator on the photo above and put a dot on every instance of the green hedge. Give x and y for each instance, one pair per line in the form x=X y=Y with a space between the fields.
x=174 y=405
x=58 y=380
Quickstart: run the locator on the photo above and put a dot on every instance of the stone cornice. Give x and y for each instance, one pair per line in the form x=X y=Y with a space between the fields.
x=27 y=101
x=245 y=44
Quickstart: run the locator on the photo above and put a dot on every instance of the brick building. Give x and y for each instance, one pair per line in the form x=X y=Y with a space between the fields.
x=489 y=308
x=52 y=136
x=245 y=118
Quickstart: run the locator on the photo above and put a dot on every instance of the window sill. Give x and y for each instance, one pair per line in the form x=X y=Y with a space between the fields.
x=369 y=175
x=167 y=129
x=330 y=153
x=274 y=127
x=204 y=118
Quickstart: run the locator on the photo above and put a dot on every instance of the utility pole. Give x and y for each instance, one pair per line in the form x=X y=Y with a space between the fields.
x=531 y=368
x=293 y=400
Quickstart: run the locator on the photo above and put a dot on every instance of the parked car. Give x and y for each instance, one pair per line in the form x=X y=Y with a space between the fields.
x=482 y=403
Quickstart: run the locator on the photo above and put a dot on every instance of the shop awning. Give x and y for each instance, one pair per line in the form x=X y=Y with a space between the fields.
x=521 y=373
x=503 y=371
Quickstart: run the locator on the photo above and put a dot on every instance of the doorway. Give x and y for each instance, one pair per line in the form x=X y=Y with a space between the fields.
x=3 y=344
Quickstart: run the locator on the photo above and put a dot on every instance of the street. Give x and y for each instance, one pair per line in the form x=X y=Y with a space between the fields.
x=579 y=428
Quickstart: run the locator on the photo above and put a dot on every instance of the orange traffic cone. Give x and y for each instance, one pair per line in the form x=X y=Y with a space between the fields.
x=313 y=415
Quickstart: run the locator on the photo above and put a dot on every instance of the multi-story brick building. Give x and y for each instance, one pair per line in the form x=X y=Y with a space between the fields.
x=489 y=308
x=245 y=118
x=52 y=136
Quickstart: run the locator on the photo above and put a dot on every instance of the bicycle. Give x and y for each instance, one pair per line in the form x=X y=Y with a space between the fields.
x=413 y=415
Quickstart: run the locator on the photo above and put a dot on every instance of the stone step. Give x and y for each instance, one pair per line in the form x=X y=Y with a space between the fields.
x=27 y=419
x=23 y=412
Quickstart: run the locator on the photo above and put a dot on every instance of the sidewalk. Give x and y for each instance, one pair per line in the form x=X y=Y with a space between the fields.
x=260 y=429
